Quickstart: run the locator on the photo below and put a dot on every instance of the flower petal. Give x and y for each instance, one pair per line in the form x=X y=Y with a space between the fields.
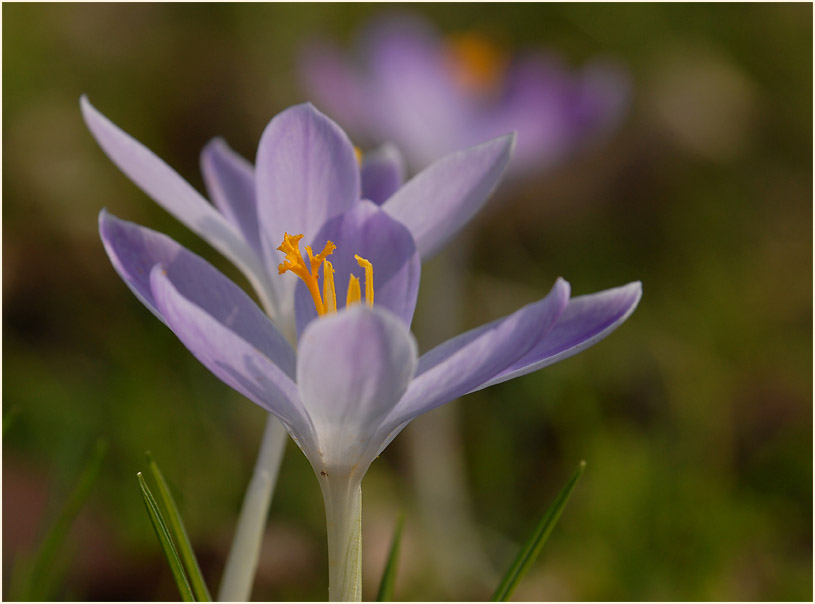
x=464 y=363
x=383 y=172
x=586 y=321
x=369 y=232
x=438 y=201
x=220 y=343
x=134 y=250
x=306 y=172
x=352 y=368
x=230 y=181
x=172 y=192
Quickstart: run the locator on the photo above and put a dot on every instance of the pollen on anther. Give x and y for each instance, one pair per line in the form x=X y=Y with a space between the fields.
x=295 y=263
x=369 y=279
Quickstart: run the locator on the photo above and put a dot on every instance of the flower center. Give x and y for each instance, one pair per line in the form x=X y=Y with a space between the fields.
x=477 y=63
x=308 y=271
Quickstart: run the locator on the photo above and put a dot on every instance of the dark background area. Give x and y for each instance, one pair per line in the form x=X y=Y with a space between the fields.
x=695 y=418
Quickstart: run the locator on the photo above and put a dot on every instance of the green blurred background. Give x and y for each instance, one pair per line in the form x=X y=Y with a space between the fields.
x=695 y=418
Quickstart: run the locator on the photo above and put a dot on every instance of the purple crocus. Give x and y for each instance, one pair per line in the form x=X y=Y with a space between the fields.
x=356 y=379
x=429 y=94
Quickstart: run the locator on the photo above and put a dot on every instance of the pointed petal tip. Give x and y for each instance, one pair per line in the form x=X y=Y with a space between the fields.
x=506 y=141
x=103 y=220
x=564 y=288
x=633 y=289
x=513 y=141
x=107 y=221
x=89 y=112
x=215 y=143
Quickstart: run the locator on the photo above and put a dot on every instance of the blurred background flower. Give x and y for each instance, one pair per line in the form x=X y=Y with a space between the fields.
x=696 y=421
x=430 y=94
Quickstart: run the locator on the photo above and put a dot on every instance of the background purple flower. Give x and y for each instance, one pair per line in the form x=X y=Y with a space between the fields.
x=408 y=85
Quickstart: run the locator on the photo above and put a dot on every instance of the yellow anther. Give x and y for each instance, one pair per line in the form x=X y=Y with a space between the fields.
x=354 y=294
x=358 y=154
x=369 y=279
x=329 y=293
x=477 y=63
x=308 y=273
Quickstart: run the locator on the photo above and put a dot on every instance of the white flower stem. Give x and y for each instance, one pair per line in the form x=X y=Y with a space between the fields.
x=239 y=574
x=343 y=514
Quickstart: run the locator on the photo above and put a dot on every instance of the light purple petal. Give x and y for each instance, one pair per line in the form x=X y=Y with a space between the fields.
x=466 y=362
x=306 y=172
x=134 y=250
x=352 y=369
x=586 y=321
x=438 y=201
x=220 y=345
x=230 y=180
x=171 y=191
x=383 y=172
x=370 y=233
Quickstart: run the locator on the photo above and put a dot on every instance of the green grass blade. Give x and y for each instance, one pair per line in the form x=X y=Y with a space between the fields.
x=385 y=593
x=166 y=541
x=526 y=557
x=38 y=582
x=179 y=533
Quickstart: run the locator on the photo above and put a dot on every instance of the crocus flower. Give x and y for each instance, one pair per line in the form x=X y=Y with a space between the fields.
x=356 y=379
x=428 y=94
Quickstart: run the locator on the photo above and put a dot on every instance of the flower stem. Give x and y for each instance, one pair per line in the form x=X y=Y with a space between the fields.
x=343 y=513
x=236 y=585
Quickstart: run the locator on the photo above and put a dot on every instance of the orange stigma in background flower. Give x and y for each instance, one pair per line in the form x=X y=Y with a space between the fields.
x=308 y=272
x=476 y=61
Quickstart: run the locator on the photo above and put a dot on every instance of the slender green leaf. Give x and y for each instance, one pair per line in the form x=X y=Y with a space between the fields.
x=38 y=582
x=179 y=533
x=166 y=541
x=386 y=587
x=526 y=557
